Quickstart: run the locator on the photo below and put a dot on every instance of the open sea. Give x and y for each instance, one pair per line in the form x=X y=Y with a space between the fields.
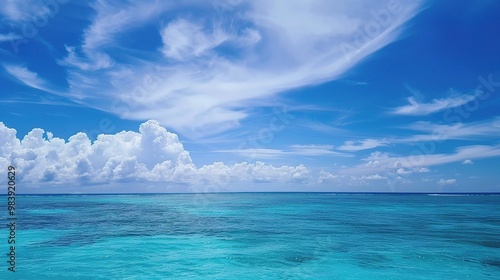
x=255 y=236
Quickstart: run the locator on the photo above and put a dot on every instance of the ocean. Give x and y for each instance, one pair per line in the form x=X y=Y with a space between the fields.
x=255 y=236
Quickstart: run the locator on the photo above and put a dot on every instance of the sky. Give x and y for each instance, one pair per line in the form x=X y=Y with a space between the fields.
x=236 y=95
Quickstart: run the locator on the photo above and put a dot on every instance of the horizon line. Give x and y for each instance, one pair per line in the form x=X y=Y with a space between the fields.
x=264 y=192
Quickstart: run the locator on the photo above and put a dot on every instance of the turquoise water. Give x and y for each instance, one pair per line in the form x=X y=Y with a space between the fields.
x=256 y=236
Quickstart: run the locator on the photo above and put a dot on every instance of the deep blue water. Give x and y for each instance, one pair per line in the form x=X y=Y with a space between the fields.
x=256 y=236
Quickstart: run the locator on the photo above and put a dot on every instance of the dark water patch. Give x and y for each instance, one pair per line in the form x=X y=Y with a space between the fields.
x=298 y=258
x=491 y=262
x=270 y=261
x=486 y=243
x=80 y=239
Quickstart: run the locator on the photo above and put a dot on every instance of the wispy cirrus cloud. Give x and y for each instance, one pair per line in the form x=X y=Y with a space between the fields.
x=31 y=79
x=17 y=11
x=314 y=150
x=203 y=81
x=457 y=131
x=183 y=40
x=429 y=131
x=9 y=37
x=366 y=144
x=294 y=150
x=379 y=162
x=112 y=20
x=27 y=77
x=416 y=108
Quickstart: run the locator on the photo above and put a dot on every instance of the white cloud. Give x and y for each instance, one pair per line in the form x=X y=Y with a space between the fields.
x=374 y=177
x=294 y=150
x=422 y=170
x=113 y=18
x=462 y=153
x=417 y=109
x=444 y=182
x=190 y=85
x=258 y=172
x=365 y=144
x=33 y=79
x=467 y=161
x=183 y=39
x=151 y=155
x=15 y=11
x=402 y=171
x=371 y=177
x=355 y=83
x=419 y=162
x=313 y=150
x=93 y=60
x=460 y=131
x=26 y=76
x=327 y=177
x=262 y=153
x=9 y=37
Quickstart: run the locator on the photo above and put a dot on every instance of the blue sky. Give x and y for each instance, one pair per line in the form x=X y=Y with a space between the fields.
x=152 y=96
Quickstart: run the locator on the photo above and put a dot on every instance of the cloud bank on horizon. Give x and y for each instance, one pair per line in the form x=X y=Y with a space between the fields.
x=151 y=155
x=155 y=155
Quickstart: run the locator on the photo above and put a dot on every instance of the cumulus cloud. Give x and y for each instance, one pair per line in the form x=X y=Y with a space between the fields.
x=467 y=161
x=327 y=177
x=365 y=180
x=151 y=155
x=258 y=172
x=373 y=177
x=402 y=171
